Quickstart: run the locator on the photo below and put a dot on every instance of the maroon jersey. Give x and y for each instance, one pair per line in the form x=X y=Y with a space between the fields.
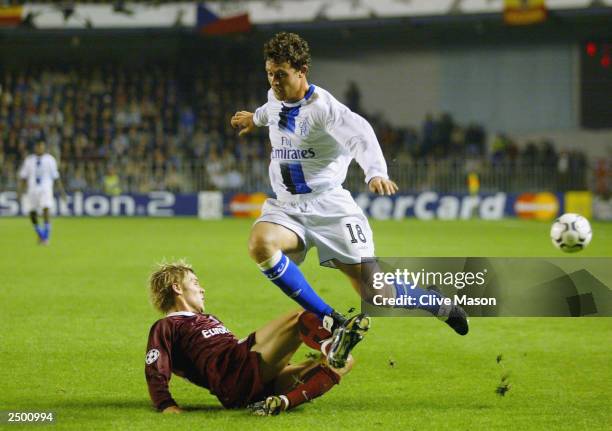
x=199 y=348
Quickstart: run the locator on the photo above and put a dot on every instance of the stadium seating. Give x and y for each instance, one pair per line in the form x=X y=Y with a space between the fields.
x=163 y=127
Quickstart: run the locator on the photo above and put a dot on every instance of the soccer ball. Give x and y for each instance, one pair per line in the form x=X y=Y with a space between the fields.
x=571 y=233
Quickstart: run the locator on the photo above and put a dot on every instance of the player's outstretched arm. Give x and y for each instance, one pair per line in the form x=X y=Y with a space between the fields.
x=158 y=365
x=355 y=134
x=243 y=120
x=382 y=186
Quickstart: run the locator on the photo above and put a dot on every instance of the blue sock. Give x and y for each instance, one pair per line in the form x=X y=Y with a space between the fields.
x=47 y=230
x=39 y=231
x=286 y=275
x=418 y=293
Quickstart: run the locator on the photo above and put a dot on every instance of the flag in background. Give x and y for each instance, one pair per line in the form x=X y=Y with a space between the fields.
x=524 y=12
x=10 y=16
x=221 y=22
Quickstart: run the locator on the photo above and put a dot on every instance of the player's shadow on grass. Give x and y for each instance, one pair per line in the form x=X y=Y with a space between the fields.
x=387 y=406
x=126 y=404
x=205 y=408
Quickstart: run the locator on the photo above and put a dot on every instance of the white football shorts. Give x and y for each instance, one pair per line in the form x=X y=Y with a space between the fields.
x=332 y=222
x=37 y=199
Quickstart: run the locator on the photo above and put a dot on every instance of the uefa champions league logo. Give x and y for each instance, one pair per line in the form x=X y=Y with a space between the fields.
x=152 y=356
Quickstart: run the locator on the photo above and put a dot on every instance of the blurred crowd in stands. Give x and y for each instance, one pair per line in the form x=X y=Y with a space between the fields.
x=139 y=122
x=74 y=2
x=116 y=130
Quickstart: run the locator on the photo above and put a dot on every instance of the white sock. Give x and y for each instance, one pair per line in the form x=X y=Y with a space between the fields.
x=285 y=402
x=271 y=262
x=324 y=345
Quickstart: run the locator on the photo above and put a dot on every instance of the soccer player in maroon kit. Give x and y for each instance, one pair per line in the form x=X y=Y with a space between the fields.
x=254 y=371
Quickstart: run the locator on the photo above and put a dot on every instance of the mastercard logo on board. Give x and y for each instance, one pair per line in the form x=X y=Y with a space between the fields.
x=537 y=206
x=247 y=205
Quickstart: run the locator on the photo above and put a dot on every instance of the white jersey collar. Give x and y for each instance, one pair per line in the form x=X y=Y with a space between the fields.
x=308 y=95
x=180 y=313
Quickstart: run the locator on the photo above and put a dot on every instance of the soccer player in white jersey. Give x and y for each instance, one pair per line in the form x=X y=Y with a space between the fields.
x=314 y=137
x=39 y=172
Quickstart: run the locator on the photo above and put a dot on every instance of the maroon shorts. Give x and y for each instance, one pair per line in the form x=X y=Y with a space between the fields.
x=242 y=383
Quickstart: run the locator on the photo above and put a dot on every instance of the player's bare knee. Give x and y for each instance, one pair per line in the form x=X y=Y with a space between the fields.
x=293 y=322
x=295 y=315
x=292 y=319
x=262 y=246
x=368 y=296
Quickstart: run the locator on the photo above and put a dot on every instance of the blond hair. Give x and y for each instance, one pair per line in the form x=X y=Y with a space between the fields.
x=161 y=281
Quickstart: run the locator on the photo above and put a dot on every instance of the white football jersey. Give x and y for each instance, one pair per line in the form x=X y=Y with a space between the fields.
x=313 y=142
x=39 y=171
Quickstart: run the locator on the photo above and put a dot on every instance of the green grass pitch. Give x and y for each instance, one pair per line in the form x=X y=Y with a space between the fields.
x=75 y=318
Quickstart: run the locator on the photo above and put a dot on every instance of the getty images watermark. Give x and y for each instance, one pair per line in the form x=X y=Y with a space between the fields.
x=409 y=280
x=536 y=287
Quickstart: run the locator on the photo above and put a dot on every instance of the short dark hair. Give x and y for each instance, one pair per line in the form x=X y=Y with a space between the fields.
x=287 y=47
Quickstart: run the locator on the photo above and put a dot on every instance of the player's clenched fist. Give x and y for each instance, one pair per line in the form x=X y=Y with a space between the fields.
x=243 y=120
x=382 y=186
